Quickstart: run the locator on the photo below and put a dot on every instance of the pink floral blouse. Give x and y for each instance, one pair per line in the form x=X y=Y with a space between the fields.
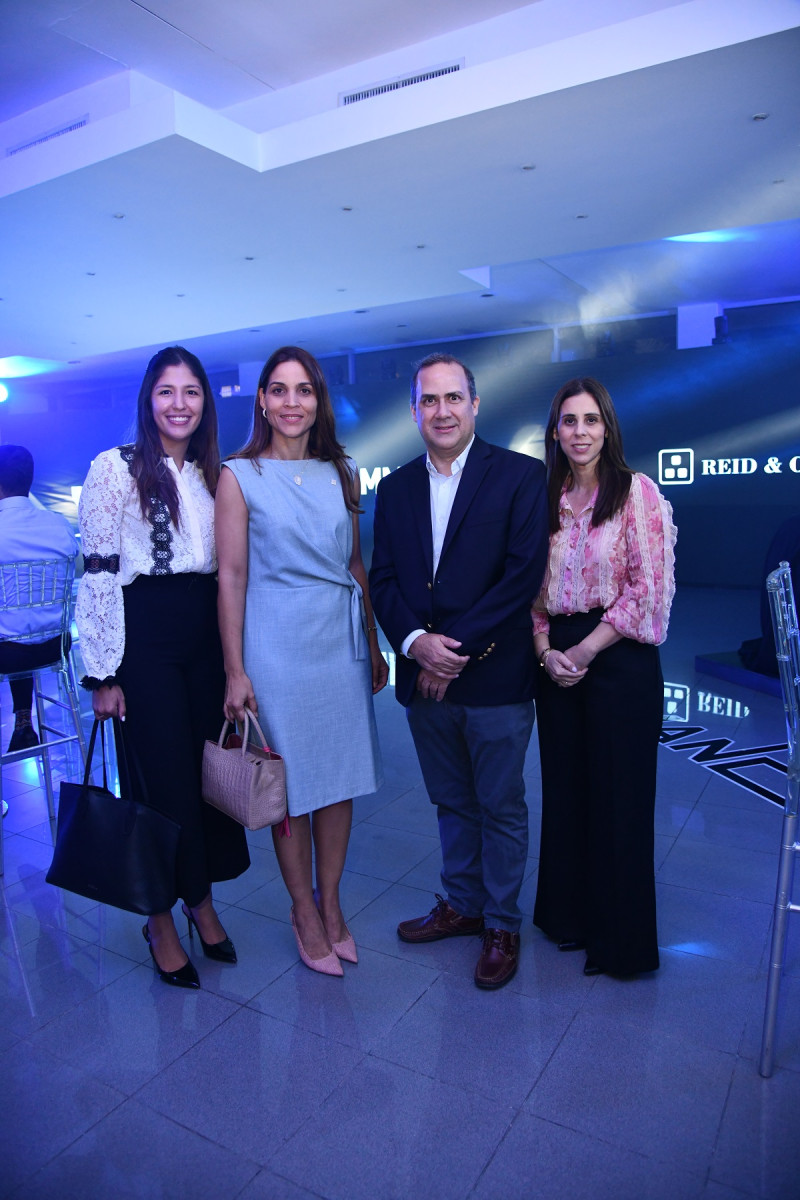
x=626 y=565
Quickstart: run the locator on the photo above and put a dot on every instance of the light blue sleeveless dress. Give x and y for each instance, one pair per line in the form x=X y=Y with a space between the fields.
x=305 y=648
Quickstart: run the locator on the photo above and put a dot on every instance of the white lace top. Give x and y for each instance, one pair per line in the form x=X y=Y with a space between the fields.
x=119 y=544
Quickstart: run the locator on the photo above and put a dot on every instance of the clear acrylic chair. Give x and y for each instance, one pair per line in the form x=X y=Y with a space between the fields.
x=45 y=584
x=787 y=646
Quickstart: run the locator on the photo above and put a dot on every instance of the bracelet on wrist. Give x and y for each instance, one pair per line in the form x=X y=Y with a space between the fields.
x=543 y=656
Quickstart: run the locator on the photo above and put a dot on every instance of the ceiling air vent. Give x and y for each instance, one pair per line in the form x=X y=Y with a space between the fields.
x=402 y=81
x=78 y=123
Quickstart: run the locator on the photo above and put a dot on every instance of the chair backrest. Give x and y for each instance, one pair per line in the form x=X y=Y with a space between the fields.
x=787 y=648
x=43 y=588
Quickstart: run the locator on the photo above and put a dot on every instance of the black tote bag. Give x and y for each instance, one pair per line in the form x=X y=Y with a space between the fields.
x=112 y=848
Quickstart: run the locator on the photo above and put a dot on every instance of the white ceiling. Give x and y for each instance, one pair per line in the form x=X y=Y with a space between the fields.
x=217 y=53
x=259 y=205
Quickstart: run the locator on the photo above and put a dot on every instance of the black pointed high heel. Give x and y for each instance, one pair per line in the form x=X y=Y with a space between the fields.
x=185 y=977
x=223 y=951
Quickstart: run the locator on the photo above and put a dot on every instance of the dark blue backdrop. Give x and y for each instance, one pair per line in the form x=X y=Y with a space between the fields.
x=733 y=406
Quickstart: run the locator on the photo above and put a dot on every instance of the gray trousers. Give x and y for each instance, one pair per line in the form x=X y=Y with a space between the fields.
x=472 y=760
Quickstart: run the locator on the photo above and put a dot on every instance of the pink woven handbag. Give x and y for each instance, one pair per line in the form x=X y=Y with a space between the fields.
x=248 y=783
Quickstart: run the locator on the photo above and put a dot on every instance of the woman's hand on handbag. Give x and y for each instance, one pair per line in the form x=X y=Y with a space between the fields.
x=239 y=695
x=109 y=702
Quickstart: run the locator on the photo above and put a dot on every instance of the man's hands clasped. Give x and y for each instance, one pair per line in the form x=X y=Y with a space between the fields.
x=439 y=663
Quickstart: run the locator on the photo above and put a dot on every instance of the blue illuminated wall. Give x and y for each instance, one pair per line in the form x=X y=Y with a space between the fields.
x=732 y=409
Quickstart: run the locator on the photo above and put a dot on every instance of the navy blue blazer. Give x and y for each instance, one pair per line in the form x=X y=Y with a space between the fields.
x=490 y=571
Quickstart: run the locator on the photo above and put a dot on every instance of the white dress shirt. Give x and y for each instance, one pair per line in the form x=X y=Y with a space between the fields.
x=443 y=490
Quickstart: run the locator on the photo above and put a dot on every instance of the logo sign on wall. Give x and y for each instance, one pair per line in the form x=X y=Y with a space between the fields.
x=678 y=466
x=675 y=466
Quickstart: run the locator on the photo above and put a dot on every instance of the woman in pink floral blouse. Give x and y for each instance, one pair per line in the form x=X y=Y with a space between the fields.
x=598 y=621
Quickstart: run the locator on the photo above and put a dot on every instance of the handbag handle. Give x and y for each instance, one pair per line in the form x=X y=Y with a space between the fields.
x=124 y=761
x=126 y=758
x=90 y=755
x=248 y=717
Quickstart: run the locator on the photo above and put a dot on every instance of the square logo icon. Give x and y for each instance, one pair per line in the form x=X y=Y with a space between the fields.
x=676 y=701
x=675 y=466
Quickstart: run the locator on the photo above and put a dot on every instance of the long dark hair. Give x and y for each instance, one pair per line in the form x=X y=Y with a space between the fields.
x=322 y=443
x=153 y=481
x=613 y=473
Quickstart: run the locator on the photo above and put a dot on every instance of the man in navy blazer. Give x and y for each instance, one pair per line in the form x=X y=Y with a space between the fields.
x=461 y=539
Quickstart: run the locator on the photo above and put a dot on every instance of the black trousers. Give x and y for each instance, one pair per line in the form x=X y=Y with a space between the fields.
x=174 y=684
x=598 y=745
x=26 y=656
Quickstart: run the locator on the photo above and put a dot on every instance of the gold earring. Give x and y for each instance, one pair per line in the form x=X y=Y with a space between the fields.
x=264 y=413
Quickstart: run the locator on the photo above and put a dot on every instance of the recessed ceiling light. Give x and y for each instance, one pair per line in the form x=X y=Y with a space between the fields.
x=180 y=295
x=347 y=208
x=118 y=216
x=529 y=167
x=254 y=331
x=91 y=272
x=487 y=295
x=73 y=362
x=420 y=245
x=361 y=310
x=760 y=116
x=88 y=315
x=249 y=258
x=581 y=216
x=402 y=327
x=779 y=181
x=341 y=289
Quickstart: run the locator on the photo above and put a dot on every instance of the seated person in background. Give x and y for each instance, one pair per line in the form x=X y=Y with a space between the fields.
x=27 y=532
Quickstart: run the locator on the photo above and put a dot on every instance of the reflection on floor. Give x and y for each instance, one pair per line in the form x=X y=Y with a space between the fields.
x=403 y=1080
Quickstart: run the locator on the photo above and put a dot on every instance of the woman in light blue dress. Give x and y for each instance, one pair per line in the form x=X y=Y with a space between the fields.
x=298 y=634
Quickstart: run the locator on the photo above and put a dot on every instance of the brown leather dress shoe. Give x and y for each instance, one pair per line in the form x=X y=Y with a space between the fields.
x=499 y=959
x=441 y=922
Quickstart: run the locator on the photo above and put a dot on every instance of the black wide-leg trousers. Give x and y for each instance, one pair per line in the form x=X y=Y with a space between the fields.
x=598 y=745
x=173 y=679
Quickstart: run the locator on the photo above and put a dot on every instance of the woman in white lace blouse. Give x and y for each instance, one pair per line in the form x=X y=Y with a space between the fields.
x=146 y=615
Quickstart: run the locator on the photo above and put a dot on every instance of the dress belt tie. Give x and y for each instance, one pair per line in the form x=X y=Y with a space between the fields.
x=359 y=643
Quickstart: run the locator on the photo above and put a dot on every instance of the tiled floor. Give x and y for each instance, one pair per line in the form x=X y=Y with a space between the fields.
x=403 y=1080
